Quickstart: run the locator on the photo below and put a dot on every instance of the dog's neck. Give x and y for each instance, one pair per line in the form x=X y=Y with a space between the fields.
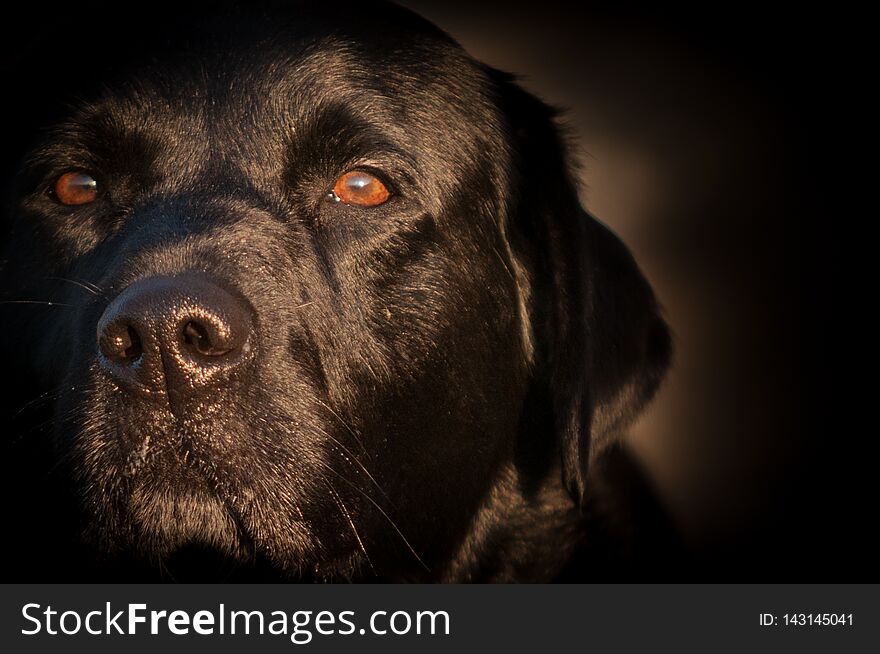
x=518 y=536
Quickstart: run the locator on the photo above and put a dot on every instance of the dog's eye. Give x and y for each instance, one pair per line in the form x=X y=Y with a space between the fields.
x=76 y=188
x=359 y=188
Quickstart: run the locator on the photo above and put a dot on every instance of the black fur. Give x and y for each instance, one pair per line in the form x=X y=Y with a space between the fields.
x=439 y=381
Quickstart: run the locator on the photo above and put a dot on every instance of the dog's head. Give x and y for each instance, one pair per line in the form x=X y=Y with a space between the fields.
x=320 y=281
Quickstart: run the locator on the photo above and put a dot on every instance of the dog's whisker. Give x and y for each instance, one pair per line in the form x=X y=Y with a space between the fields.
x=350 y=457
x=381 y=511
x=336 y=415
x=51 y=394
x=54 y=420
x=88 y=286
x=48 y=303
x=36 y=428
x=345 y=512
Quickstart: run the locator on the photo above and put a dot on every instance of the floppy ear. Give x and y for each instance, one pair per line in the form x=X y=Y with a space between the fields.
x=602 y=347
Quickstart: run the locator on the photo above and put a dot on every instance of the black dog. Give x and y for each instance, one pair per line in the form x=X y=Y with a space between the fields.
x=324 y=304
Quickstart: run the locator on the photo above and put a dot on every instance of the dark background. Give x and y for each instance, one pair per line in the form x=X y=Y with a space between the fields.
x=701 y=135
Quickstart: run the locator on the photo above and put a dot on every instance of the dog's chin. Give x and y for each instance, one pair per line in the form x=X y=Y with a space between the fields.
x=164 y=520
x=181 y=513
x=156 y=488
x=181 y=534
x=187 y=536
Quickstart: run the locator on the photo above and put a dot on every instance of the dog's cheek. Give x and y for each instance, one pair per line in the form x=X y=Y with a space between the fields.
x=438 y=396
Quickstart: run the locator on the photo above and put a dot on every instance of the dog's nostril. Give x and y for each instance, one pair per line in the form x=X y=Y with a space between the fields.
x=197 y=337
x=122 y=345
x=132 y=347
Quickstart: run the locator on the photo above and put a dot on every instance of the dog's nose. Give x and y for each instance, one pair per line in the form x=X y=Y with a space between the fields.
x=175 y=335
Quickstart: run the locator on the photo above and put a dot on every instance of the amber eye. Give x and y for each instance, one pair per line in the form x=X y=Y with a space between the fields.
x=360 y=189
x=76 y=188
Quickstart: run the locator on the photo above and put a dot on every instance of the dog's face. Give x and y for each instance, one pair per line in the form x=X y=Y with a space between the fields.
x=311 y=284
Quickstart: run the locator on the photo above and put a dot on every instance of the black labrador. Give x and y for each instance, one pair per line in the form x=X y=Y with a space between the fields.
x=308 y=293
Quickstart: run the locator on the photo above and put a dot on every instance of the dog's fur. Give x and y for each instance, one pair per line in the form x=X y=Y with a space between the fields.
x=436 y=379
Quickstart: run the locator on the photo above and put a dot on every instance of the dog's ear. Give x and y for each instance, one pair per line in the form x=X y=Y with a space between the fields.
x=601 y=346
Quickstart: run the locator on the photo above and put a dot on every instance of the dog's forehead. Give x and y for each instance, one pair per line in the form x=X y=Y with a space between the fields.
x=395 y=84
x=240 y=107
x=416 y=90
x=300 y=61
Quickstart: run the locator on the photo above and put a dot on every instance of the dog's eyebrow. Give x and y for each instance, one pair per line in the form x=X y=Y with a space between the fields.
x=91 y=140
x=335 y=134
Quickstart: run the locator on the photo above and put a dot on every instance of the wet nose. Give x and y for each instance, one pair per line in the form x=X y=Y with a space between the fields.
x=176 y=335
